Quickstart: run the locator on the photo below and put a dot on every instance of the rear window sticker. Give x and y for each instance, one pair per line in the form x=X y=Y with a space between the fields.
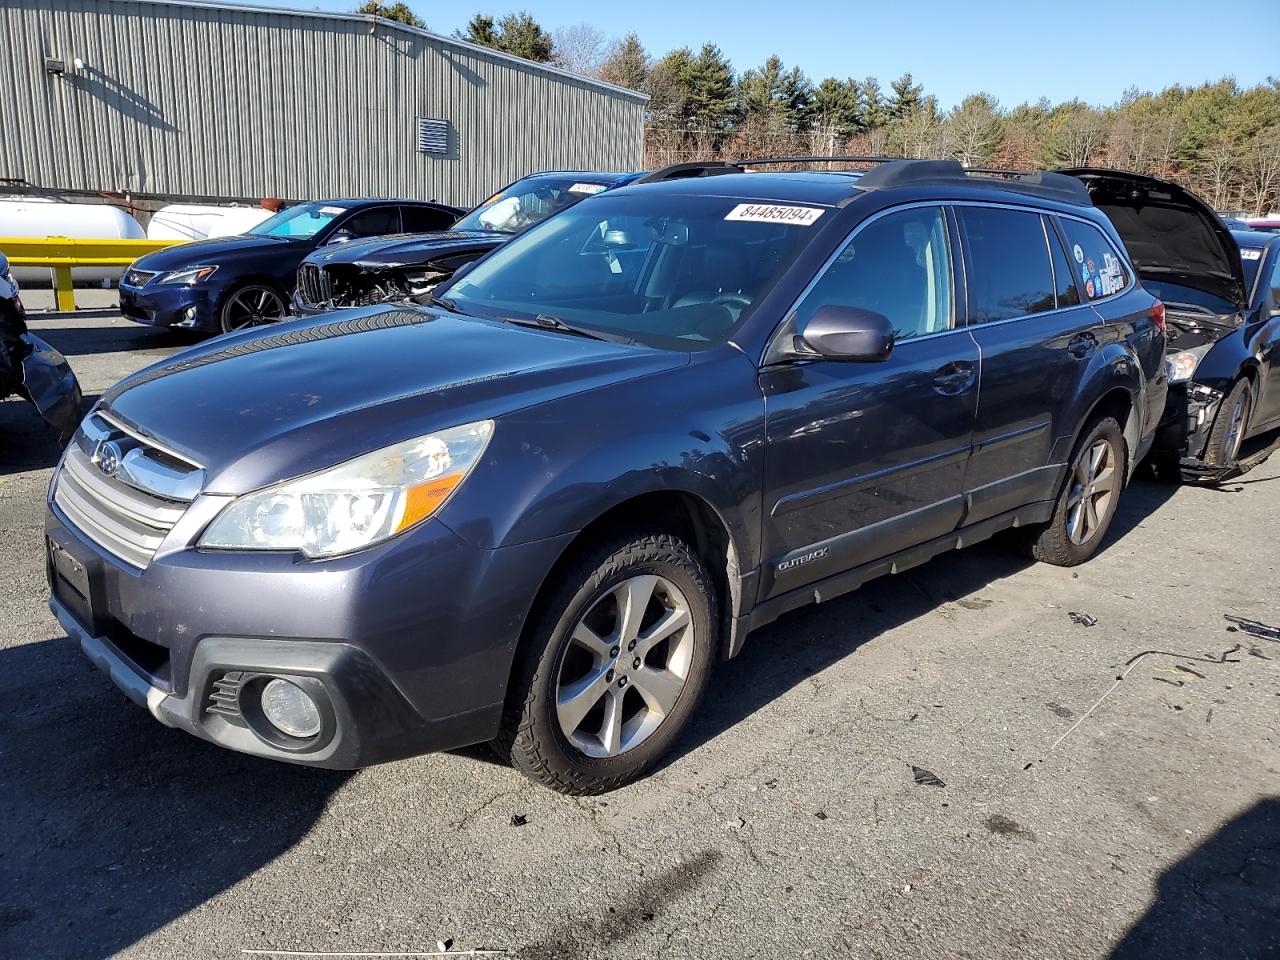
x=587 y=188
x=1079 y=253
x=775 y=213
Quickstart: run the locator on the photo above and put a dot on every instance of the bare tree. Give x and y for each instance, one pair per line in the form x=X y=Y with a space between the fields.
x=581 y=49
x=1219 y=166
x=1262 y=169
x=975 y=129
x=1076 y=137
x=920 y=134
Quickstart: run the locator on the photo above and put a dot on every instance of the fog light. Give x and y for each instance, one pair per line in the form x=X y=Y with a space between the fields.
x=290 y=710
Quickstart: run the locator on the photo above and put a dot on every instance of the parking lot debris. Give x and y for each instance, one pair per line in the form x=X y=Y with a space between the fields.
x=519 y=819
x=445 y=945
x=821 y=814
x=1255 y=652
x=1084 y=619
x=926 y=778
x=1194 y=673
x=1254 y=628
x=1173 y=683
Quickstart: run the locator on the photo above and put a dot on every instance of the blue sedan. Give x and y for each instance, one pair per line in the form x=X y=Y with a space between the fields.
x=235 y=282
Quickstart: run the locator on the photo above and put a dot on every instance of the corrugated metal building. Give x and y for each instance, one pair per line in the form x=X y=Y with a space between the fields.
x=207 y=99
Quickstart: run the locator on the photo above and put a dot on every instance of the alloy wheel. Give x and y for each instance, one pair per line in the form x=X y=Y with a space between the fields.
x=252 y=307
x=1235 y=432
x=1093 y=484
x=624 y=666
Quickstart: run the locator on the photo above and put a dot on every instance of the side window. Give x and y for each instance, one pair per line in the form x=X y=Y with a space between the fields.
x=1064 y=278
x=1100 y=271
x=374 y=223
x=1009 y=272
x=425 y=219
x=900 y=266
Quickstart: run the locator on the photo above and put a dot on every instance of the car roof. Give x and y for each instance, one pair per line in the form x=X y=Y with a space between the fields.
x=1254 y=238
x=587 y=176
x=352 y=202
x=935 y=179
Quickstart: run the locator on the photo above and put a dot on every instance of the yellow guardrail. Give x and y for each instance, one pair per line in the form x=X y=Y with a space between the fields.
x=60 y=254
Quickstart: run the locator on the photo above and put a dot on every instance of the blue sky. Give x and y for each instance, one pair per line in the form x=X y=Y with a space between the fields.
x=1018 y=52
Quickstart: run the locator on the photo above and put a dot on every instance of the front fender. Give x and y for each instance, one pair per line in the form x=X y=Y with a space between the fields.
x=554 y=468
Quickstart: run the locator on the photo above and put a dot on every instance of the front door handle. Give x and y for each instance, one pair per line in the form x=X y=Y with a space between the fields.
x=1082 y=345
x=956 y=377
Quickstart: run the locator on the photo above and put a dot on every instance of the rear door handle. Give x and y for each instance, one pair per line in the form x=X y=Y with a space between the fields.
x=956 y=377
x=1082 y=345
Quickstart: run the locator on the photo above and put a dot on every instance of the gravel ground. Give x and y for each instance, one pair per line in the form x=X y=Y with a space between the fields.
x=789 y=823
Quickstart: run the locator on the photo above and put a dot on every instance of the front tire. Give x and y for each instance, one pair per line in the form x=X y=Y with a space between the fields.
x=1088 y=500
x=615 y=665
x=1230 y=426
x=251 y=305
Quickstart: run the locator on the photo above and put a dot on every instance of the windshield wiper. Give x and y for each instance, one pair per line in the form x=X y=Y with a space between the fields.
x=444 y=303
x=546 y=321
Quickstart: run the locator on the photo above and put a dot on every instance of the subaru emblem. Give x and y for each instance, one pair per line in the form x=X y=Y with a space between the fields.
x=108 y=457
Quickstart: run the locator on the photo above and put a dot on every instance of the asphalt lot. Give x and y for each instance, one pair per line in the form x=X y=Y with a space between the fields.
x=789 y=823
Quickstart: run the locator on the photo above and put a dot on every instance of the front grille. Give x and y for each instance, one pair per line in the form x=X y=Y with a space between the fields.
x=224 y=698
x=313 y=285
x=122 y=492
x=137 y=278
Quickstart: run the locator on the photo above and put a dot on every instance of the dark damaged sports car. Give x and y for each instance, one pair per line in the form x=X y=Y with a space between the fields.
x=1221 y=292
x=386 y=269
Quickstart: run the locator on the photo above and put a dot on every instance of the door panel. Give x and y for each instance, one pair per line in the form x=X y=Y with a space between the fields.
x=866 y=459
x=1036 y=339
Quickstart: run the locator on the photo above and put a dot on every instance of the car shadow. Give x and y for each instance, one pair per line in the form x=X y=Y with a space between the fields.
x=111 y=825
x=1222 y=900
x=126 y=338
x=799 y=645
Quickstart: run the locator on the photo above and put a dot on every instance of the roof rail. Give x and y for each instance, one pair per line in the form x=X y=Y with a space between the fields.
x=772 y=160
x=712 y=168
x=683 y=171
x=906 y=173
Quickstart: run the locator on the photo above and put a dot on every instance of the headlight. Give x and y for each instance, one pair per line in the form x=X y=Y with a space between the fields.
x=189 y=276
x=357 y=504
x=1181 y=367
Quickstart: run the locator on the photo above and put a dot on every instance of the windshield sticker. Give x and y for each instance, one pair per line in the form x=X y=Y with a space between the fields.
x=587 y=188
x=332 y=211
x=775 y=213
x=1247 y=254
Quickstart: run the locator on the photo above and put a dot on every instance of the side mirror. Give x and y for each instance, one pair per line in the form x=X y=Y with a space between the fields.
x=340 y=236
x=846 y=333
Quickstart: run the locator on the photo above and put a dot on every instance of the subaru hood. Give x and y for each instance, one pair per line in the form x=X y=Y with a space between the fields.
x=405 y=248
x=274 y=403
x=1171 y=234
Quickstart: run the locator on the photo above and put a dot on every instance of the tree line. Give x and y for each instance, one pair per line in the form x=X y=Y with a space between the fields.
x=1218 y=139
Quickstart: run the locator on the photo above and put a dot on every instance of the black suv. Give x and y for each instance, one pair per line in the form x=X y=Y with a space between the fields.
x=537 y=510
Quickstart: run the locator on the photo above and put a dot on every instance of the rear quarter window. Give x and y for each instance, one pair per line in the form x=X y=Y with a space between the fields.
x=1009 y=273
x=1100 y=270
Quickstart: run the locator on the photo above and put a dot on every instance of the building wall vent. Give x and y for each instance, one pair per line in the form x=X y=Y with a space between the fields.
x=433 y=135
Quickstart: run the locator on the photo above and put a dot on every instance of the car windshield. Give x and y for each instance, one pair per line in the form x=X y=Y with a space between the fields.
x=668 y=270
x=527 y=202
x=299 y=222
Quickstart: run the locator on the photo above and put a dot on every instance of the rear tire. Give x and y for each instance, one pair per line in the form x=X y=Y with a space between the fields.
x=1087 y=503
x=617 y=660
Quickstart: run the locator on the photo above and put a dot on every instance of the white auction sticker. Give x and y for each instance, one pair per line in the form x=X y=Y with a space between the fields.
x=1247 y=254
x=775 y=213
x=587 y=188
